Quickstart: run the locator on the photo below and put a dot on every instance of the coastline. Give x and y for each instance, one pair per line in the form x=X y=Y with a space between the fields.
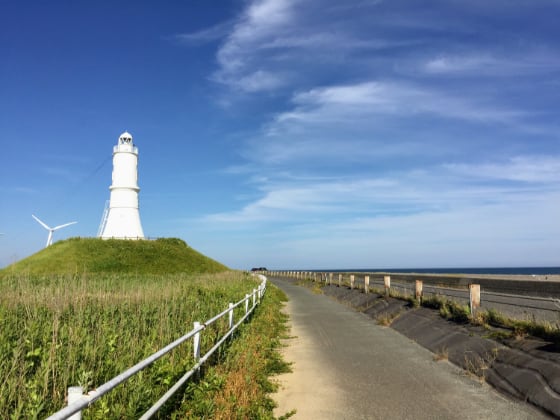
x=523 y=277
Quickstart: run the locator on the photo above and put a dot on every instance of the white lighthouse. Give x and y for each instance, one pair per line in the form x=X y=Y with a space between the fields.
x=121 y=219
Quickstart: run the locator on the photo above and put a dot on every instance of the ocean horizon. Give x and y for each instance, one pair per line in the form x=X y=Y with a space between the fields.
x=538 y=271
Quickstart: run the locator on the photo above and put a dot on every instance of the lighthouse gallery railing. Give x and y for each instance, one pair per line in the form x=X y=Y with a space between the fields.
x=78 y=401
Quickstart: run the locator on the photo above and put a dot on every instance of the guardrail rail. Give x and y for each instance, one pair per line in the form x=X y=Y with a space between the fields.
x=516 y=306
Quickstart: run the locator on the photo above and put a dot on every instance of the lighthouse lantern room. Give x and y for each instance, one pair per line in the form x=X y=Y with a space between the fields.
x=121 y=219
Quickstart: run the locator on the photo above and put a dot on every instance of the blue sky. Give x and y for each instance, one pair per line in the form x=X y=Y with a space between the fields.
x=290 y=133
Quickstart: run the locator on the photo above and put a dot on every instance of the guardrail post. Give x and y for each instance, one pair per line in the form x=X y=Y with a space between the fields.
x=230 y=315
x=366 y=284
x=339 y=280
x=254 y=297
x=387 y=281
x=474 y=297
x=418 y=293
x=75 y=393
x=196 y=343
x=330 y=278
x=351 y=281
x=247 y=296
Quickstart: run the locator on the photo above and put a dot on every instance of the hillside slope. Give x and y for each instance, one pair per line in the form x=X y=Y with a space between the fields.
x=93 y=255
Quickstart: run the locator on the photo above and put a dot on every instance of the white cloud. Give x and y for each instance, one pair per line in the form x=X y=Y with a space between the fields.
x=539 y=169
x=205 y=35
x=362 y=148
x=390 y=98
x=489 y=64
x=410 y=220
x=259 y=81
x=286 y=40
x=369 y=121
x=462 y=64
x=371 y=197
x=260 y=23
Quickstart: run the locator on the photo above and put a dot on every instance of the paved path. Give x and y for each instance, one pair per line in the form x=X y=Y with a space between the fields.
x=347 y=367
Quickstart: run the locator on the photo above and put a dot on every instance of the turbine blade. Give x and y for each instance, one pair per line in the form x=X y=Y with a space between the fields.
x=42 y=224
x=64 y=225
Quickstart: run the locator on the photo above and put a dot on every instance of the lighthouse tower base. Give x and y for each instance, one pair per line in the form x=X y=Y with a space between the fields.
x=122 y=223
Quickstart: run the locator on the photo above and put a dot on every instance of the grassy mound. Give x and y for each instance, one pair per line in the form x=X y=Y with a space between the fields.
x=93 y=255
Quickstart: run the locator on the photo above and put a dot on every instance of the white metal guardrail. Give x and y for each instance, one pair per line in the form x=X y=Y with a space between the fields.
x=545 y=309
x=77 y=401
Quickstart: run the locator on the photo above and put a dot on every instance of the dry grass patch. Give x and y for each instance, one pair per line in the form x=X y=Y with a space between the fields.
x=441 y=355
x=386 y=319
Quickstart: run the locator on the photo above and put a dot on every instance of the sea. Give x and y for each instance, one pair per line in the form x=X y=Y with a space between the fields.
x=538 y=271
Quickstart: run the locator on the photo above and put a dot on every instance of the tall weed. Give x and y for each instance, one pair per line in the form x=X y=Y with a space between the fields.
x=68 y=330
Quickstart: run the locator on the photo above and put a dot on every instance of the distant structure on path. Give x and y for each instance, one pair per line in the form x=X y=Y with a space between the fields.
x=121 y=218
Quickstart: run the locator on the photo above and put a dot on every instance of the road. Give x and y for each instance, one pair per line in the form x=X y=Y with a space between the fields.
x=347 y=367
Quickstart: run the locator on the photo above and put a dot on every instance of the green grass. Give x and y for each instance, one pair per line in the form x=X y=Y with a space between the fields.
x=83 y=329
x=522 y=328
x=94 y=255
x=240 y=387
x=84 y=310
x=449 y=309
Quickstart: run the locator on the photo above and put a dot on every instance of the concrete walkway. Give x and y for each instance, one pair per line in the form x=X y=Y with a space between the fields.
x=347 y=367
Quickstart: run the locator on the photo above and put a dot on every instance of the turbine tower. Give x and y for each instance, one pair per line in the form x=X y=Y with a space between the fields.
x=50 y=229
x=121 y=220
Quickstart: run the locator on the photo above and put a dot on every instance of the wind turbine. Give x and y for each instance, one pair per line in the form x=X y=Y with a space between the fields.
x=50 y=229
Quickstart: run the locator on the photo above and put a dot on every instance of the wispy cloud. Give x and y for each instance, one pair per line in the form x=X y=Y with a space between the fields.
x=205 y=35
x=400 y=127
x=367 y=196
x=286 y=40
x=395 y=98
x=539 y=169
x=258 y=81
x=259 y=24
x=409 y=221
x=462 y=64
x=370 y=121
x=489 y=64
